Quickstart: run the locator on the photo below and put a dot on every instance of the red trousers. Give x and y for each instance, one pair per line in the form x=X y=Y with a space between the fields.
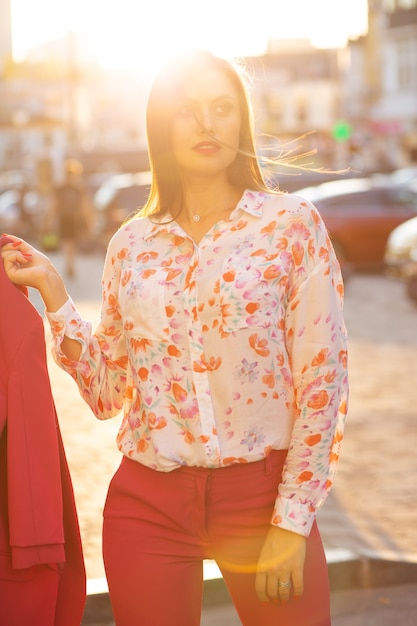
x=158 y=528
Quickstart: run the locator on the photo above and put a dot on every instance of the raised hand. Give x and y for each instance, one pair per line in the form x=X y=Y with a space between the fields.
x=25 y=265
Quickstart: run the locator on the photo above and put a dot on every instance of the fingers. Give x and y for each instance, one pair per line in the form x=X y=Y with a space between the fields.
x=19 y=252
x=14 y=251
x=15 y=257
x=271 y=588
x=12 y=243
x=278 y=589
x=298 y=583
x=284 y=589
x=11 y=240
x=260 y=587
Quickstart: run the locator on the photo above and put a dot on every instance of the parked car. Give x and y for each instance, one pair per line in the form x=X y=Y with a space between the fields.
x=405 y=176
x=15 y=179
x=116 y=198
x=20 y=212
x=360 y=214
x=401 y=255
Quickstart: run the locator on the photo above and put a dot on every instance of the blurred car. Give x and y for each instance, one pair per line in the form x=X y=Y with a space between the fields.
x=405 y=176
x=116 y=198
x=401 y=255
x=360 y=214
x=19 y=212
x=15 y=179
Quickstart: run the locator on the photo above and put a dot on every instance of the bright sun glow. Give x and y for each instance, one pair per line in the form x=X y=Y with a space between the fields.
x=127 y=34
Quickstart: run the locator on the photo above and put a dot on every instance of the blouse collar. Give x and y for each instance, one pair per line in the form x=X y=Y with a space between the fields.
x=251 y=202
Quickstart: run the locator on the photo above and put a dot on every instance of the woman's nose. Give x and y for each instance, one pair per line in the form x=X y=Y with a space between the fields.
x=205 y=122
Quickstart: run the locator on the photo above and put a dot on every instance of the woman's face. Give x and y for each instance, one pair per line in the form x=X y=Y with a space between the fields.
x=206 y=125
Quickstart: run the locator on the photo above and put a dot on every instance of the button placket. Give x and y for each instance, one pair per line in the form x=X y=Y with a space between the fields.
x=196 y=347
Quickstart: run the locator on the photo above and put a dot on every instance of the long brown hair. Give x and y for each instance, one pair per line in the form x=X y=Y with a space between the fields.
x=166 y=189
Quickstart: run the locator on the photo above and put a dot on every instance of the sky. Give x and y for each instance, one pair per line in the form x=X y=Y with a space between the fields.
x=129 y=33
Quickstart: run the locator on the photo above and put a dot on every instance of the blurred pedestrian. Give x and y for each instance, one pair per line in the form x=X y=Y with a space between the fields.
x=223 y=344
x=70 y=212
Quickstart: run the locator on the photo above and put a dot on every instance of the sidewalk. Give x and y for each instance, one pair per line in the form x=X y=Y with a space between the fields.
x=365 y=592
x=368 y=522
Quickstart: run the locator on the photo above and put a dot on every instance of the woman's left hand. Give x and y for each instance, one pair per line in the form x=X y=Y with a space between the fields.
x=280 y=566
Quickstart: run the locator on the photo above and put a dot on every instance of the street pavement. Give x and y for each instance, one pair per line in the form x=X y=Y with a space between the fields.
x=368 y=522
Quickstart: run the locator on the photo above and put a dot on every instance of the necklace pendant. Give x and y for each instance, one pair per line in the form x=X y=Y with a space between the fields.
x=196 y=218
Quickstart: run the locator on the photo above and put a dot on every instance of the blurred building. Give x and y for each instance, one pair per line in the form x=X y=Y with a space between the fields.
x=296 y=97
x=359 y=102
x=5 y=33
x=59 y=103
x=394 y=109
x=33 y=133
x=380 y=85
x=356 y=106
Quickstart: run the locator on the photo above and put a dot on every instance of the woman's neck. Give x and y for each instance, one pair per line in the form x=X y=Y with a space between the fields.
x=208 y=201
x=203 y=208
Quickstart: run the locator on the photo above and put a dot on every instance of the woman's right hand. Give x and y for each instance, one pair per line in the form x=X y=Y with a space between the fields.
x=25 y=265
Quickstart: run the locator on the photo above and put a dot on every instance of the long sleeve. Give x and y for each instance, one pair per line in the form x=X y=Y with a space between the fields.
x=317 y=343
x=101 y=370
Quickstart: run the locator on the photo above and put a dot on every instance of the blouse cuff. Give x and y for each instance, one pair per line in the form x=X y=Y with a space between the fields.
x=66 y=309
x=68 y=322
x=295 y=516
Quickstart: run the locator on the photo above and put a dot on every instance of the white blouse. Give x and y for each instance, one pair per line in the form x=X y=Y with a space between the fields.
x=220 y=352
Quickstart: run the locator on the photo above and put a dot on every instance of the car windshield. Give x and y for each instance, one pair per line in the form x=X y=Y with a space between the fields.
x=335 y=188
x=116 y=184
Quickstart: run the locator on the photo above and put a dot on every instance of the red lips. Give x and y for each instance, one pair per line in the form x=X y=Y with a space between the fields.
x=207 y=147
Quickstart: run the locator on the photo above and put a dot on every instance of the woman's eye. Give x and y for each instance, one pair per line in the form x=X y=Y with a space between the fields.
x=224 y=108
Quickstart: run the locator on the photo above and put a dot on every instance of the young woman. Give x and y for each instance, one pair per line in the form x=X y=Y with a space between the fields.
x=223 y=344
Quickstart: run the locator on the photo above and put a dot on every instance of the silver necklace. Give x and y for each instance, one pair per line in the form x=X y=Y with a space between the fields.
x=196 y=217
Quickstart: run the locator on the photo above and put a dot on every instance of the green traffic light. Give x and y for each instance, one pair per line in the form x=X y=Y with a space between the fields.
x=341 y=131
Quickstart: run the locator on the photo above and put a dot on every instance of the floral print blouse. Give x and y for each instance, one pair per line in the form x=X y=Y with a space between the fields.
x=220 y=352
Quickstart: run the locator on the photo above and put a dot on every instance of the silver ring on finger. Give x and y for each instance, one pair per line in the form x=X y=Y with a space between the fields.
x=286 y=585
